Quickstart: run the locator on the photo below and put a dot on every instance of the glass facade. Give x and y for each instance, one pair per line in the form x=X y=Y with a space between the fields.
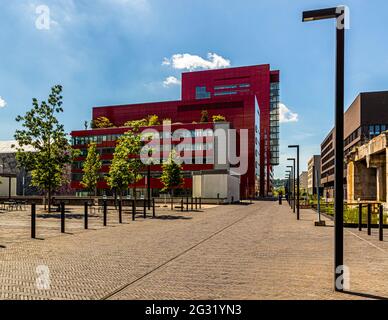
x=201 y=93
x=274 y=124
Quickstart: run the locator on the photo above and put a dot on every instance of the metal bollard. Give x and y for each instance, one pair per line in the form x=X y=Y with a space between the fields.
x=196 y=204
x=133 y=210
x=182 y=205
x=153 y=208
x=33 y=220
x=120 y=212
x=145 y=209
x=280 y=200
x=187 y=204
x=172 y=203
x=360 y=217
x=200 y=203
x=192 y=204
x=105 y=214
x=381 y=223
x=369 y=219
x=86 y=218
x=62 y=217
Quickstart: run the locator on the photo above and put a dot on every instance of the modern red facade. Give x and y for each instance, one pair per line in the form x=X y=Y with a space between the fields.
x=247 y=97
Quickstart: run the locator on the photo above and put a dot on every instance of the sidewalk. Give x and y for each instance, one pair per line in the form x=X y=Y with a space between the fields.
x=256 y=251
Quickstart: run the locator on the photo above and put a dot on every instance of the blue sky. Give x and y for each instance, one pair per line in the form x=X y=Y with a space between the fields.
x=112 y=51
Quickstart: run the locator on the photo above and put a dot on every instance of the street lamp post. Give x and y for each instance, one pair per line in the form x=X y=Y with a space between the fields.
x=297 y=180
x=339 y=14
x=292 y=187
x=294 y=182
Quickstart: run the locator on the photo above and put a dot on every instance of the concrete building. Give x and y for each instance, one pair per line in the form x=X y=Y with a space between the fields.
x=365 y=119
x=314 y=173
x=303 y=178
x=367 y=171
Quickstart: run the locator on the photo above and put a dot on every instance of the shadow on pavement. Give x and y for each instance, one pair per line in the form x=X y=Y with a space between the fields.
x=365 y=295
x=168 y=217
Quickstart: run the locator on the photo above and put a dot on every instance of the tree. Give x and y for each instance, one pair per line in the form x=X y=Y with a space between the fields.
x=204 y=116
x=91 y=169
x=52 y=151
x=172 y=177
x=102 y=122
x=126 y=166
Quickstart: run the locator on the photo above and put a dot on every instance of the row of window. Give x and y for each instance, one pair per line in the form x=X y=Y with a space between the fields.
x=162 y=135
x=181 y=147
x=185 y=161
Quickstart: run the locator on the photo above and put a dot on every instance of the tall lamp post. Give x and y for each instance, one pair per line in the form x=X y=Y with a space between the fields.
x=297 y=180
x=292 y=187
x=294 y=182
x=339 y=14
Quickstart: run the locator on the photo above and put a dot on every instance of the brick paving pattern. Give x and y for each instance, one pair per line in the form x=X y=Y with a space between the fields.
x=255 y=251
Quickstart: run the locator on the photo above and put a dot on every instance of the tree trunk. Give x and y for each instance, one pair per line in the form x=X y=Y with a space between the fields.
x=49 y=199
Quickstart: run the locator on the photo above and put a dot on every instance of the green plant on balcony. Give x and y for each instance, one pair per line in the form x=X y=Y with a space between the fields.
x=153 y=120
x=102 y=122
x=136 y=123
x=219 y=118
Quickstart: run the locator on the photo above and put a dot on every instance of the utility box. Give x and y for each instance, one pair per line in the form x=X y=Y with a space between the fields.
x=214 y=184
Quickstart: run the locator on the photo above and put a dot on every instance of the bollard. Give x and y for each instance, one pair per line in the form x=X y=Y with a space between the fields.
x=145 y=209
x=381 y=223
x=105 y=213
x=187 y=204
x=360 y=217
x=196 y=204
x=172 y=203
x=133 y=210
x=120 y=212
x=192 y=204
x=369 y=219
x=280 y=200
x=86 y=216
x=182 y=205
x=200 y=203
x=33 y=220
x=153 y=208
x=232 y=200
x=62 y=205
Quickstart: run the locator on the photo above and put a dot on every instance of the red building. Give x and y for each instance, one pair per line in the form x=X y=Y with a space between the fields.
x=248 y=97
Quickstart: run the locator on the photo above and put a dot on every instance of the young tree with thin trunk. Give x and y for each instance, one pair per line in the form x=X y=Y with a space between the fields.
x=52 y=151
x=91 y=169
x=126 y=165
x=172 y=174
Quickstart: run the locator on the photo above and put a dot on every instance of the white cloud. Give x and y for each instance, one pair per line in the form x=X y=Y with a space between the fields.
x=171 y=81
x=191 y=62
x=286 y=115
x=3 y=103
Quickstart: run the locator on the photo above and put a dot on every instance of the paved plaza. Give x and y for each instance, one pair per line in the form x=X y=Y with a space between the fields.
x=256 y=251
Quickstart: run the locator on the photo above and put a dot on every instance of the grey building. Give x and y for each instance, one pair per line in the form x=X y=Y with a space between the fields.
x=314 y=174
x=365 y=119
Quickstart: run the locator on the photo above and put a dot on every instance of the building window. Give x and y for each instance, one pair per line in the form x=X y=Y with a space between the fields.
x=225 y=93
x=201 y=93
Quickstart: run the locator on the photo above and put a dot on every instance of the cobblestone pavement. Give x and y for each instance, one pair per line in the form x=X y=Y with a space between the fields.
x=255 y=251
